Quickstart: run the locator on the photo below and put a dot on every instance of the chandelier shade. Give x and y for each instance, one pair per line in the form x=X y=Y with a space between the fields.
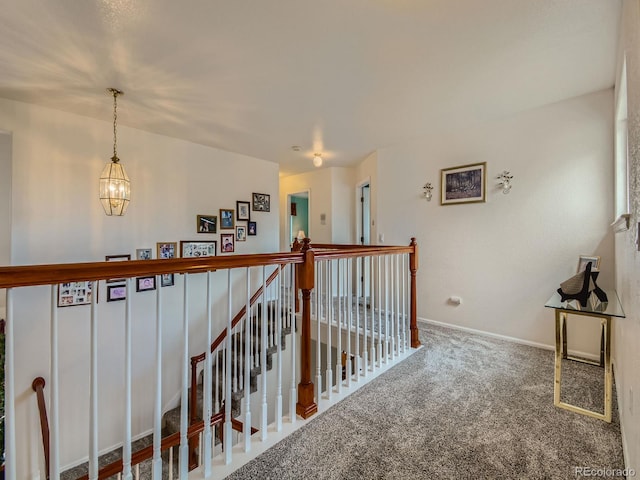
x=115 y=188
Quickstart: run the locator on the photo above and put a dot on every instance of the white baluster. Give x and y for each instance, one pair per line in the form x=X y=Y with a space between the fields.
x=372 y=320
x=339 y=340
x=137 y=471
x=379 y=281
x=126 y=448
x=247 y=368
x=227 y=400
x=397 y=281
x=279 y=347
x=318 y=292
x=157 y=413
x=365 y=345
x=170 y=463
x=349 y=315
x=263 y=356
x=93 y=388
x=392 y=306
x=386 y=309
x=405 y=274
x=359 y=285
x=54 y=396
x=293 y=392
x=206 y=444
x=184 y=401
x=329 y=375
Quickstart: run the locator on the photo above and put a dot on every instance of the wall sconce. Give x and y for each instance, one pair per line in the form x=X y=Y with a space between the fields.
x=427 y=191
x=505 y=181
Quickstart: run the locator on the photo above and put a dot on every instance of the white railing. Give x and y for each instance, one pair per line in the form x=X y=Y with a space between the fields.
x=358 y=298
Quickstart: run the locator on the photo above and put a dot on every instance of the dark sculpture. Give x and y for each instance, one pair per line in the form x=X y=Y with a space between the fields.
x=580 y=286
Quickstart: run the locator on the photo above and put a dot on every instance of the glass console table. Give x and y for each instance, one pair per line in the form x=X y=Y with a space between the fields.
x=605 y=311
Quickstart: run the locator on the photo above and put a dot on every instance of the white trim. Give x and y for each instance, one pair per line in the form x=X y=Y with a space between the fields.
x=622 y=223
x=588 y=356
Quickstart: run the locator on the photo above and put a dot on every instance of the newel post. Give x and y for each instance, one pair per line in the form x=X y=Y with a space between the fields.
x=305 y=274
x=413 y=268
x=296 y=247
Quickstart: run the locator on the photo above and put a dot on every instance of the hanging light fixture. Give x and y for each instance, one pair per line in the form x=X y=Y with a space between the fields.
x=115 y=188
x=317 y=159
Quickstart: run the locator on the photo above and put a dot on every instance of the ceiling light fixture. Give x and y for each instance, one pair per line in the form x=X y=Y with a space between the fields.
x=115 y=188
x=317 y=159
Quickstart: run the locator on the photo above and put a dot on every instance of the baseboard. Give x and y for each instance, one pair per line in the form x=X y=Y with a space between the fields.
x=574 y=353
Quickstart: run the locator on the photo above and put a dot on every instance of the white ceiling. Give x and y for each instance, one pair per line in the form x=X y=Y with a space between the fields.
x=343 y=77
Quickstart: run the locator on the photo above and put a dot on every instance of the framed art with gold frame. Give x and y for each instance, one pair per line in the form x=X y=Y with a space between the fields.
x=463 y=184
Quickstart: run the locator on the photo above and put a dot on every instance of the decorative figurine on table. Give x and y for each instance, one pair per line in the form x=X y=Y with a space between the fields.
x=580 y=286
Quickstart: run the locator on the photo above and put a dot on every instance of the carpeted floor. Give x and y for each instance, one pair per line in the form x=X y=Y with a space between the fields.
x=464 y=407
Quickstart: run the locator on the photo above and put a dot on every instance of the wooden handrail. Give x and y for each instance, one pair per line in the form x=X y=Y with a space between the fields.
x=22 y=276
x=38 y=386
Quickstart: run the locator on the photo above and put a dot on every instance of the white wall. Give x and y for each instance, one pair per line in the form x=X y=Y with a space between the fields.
x=57 y=159
x=506 y=257
x=627 y=331
x=5 y=207
x=343 y=205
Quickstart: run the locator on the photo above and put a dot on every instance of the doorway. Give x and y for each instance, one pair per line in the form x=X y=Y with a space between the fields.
x=298 y=213
x=363 y=207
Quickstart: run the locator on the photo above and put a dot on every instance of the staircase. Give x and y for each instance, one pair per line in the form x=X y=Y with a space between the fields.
x=171 y=419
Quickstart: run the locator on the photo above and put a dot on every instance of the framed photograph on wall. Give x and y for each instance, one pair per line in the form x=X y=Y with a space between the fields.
x=243 y=210
x=195 y=249
x=143 y=254
x=145 y=283
x=167 y=249
x=167 y=279
x=585 y=259
x=227 y=222
x=252 y=228
x=207 y=224
x=241 y=233
x=228 y=245
x=74 y=293
x=261 y=202
x=464 y=184
x=116 y=258
x=116 y=293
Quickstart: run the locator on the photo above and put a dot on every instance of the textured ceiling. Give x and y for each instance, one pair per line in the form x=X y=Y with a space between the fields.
x=343 y=77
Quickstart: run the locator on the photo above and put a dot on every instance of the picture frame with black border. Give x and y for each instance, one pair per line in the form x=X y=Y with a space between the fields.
x=167 y=280
x=261 y=202
x=197 y=249
x=227 y=219
x=116 y=293
x=144 y=284
x=116 y=258
x=207 y=224
x=243 y=210
x=227 y=243
x=252 y=228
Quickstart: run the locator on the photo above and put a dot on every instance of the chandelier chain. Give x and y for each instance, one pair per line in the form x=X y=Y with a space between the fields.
x=115 y=123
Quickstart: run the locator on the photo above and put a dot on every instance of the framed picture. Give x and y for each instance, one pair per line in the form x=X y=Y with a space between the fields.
x=74 y=293
x=241 y=233
x=242 y=210
x=207 y=224
x=261 y=202
x=167 y=249
x=585 y=259
x=194 y=249
x=167 y=280
x=143 y=254
x=228 y=245
x=227 y=221
x=116 y=293
x=252 y=228
x=116 y=258
x=145 y=283
x=465 y=184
